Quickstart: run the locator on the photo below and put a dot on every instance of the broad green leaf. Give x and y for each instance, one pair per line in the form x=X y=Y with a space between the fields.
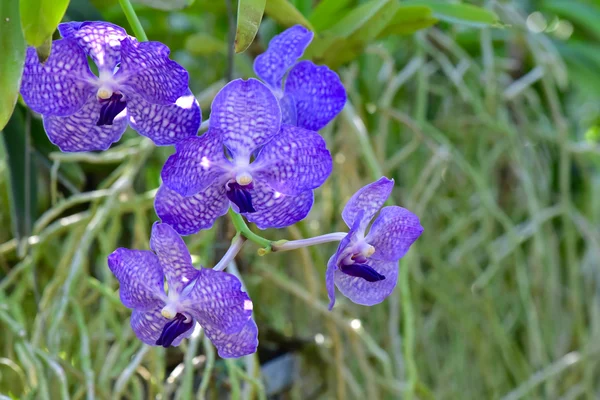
x=166 y=5
x=347 y=39
x=458 y=13
x=22 y=174
x=328 y=13
x=286 y=14
x=39 y=19
x=409 y=19
x=12 y=58
x=249 y=15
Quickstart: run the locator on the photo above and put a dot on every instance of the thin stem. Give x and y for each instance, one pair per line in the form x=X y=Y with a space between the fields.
x=297 y=244
x=236 y=245
x=133 y=20
x=242 y=228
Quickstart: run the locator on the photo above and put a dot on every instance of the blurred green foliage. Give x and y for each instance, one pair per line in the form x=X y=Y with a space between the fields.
x=487 y=119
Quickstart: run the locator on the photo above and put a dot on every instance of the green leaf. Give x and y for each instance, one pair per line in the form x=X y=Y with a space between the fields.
x=39 y=19
x=12 y=58
x=22 y=173
x=457 y=13
x=327 y=13
x=409 y=19
x=347 y=39
x=286 y=14
x=249 y=15
x=165 y=5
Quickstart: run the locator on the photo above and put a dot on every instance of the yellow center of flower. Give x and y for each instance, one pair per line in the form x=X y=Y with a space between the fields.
x=369 y=251
x=168 y=312
x=243 y=178
x=104 y=93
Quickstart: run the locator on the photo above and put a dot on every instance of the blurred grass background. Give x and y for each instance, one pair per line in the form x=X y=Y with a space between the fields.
x=492 y=137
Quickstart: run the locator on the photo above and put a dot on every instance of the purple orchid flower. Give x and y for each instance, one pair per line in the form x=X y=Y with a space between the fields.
x=164 y=318
x=365 y=268
x=136 y=83
x=266 y=171
x=313 y=95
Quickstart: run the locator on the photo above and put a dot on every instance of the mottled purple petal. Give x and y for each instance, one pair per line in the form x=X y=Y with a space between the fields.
x=197 y=163
x=330 y=279
x=62 y=84
x=318 y=93
x=247 y=114
x=367 y=293
x=294 y=161
x=235 y=345
x=100 y=40
x=147 y=71
x=284 y=49
x=368 y=199
x=79 y=132
x=277 y=210
x=289 y=115
x=218 y=303
x=173 y=256
x=165 y=124
x=189 y=215
x=393 y=232
x=148 y=325
x=140 y=276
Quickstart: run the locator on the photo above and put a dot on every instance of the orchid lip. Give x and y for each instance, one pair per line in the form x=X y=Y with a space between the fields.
x=111 y=107
x=240 y=196
x=363 y=271
x=173 y=329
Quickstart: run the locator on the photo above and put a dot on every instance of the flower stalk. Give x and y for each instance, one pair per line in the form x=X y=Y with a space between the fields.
x=236 y=245
x=134 y=21
x=298 y=244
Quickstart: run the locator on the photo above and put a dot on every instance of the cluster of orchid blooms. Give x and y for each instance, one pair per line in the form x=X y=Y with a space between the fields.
x=261 y=156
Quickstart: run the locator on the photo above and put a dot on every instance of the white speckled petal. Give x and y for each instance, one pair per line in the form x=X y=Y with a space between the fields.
x=189 y=215
x=368 y=199
x=62 y=84
x=148 y=326
x=235 y=345
x=393 y=232
x=277 y=210
x=360 y=291
x=284 y=49
x=165 y=124
x=78 y=132
x=146 y=70
x=197 y=163
x=318 y=93
x=173 y=256
x=247 y=114
x=140 y=276
x=294 y=161
x=100 y=40
x=218 y=303
x=332 y=265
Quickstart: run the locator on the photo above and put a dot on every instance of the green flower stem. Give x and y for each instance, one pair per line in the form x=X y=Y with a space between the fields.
x=242 y=228
x=133 y=20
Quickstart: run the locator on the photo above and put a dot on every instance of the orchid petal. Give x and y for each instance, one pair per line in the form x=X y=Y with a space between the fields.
x=189 y=215
x=148 y=326
x=283 y=51
x=146 y=70
x=173 y=256
x=197 y=163
x=277 y=210
x=247 y=115
x=318 y=94
x=395 y=229
x=295 y=161
x=237 y=344
x=100 y=40
x=369 y=199
x=79 y=132
x=62 y=84
x=360 y=291
x=165 y=124
x=141 y=278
